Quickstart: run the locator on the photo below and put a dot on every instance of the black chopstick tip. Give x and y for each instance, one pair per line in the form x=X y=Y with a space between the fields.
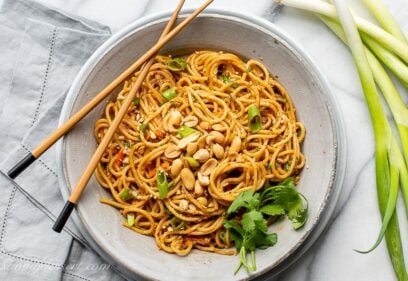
x=21 y=165
x=63 y=217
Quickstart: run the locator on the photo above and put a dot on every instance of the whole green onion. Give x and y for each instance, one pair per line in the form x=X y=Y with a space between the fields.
x=254 y=119
x=380 y=35
x=185 y=131
x=177 y=64
x=390 y=46
x=169 y=94
x=390 y=166
x=162 y=184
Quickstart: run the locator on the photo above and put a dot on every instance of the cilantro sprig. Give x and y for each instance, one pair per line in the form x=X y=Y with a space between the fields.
x=247 y=218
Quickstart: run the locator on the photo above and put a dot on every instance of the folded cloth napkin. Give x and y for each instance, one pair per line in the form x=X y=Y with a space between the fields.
x=41 y=51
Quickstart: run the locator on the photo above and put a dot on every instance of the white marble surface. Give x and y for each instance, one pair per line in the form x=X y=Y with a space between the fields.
x=356 y=221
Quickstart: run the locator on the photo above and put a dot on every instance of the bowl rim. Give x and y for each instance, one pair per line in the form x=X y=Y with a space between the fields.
x=336 y=178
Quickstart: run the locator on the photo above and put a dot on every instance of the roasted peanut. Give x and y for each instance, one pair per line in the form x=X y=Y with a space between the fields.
x=183 y=204
x=209 y=166
x=172 y=151
x=201 y=142
x=218 y=150
x=187 y=178
x=176 y=167
x=175 y=117
x=205 y=125
x=235 y=144
x=214 y=137
x=219 y=127
x=201 y=155
x=202 y=200
x=190 y=121
x=198 y=189
x=191 y=148
x=203 y=180
x=189 y=139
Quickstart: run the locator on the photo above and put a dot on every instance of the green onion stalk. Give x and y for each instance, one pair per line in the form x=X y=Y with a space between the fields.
x=391 y=169
x=326 y=9
x=393 y=62
x=395 y=103
x=390 y=60
x=390 y=166
x=384 y=17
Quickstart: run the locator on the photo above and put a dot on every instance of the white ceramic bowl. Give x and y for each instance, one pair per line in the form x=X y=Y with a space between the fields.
x=137 y=256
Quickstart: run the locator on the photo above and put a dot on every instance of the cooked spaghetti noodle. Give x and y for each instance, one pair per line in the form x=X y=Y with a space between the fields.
x=187 y=147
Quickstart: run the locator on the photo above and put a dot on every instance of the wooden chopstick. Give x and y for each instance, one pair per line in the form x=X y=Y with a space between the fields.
x=83 y=181
x=57 y=134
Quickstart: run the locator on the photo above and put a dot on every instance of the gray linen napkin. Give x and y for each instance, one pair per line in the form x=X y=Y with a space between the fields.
x=41 y=50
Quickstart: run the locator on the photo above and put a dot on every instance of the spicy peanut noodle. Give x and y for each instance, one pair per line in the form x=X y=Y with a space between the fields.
x=201 y=131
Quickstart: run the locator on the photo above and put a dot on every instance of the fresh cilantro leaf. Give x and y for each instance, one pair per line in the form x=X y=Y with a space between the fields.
x=285 y=196
x=236 y=233
x=262 y=225
x=267 y=241
x=248 y=229
x=300 y=219
x=237 y=239
x=249 y=219
x=293 y=207
x=245 y=199
x=289 y=182
x=231 y=224
x=273 y=210
x=259 y=239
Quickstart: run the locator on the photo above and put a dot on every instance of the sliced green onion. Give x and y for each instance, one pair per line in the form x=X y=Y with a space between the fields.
x=136 y=101
x=226 y=79
x=185 y=131
x=131 y=219
x=162 y=184
x=144 y=127
x=125 y=194
x=177 y=224
x=254 y=119
x=193 y=162
x=177 y=64
x=126 y=144
x=169 y=94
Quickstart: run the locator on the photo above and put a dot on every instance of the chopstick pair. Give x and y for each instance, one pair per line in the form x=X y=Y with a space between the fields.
x=145 y=61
